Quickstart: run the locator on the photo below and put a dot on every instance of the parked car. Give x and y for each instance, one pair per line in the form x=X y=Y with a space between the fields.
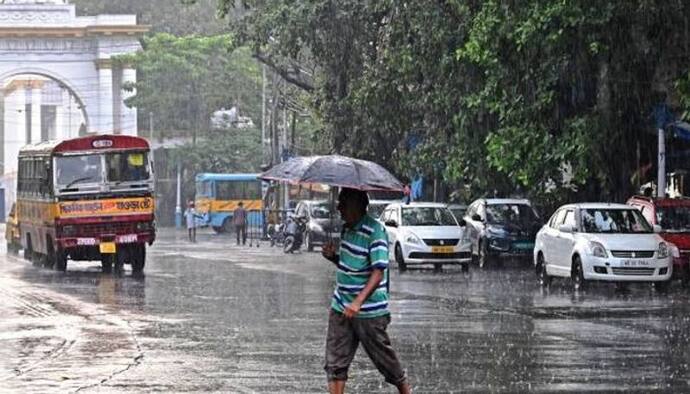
x=12 y=234
x=604 y=242
x=458 y=210
x=323 y=222
x=425 y=233
x=673 y=216
x=376 y=207
x=501 y=228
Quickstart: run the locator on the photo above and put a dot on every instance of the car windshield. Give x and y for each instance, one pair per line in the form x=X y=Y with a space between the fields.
x=375 y=210
x=673 y=218
x=614 y=221
x=127 y=167
x=427 y=216
x=510 y=214
x=321 y=211
x=81 y=169
x=459 y=213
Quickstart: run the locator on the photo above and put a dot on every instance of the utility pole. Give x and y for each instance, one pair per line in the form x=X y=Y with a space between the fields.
x=263 y=111
x=661 y=186
x=150 y=127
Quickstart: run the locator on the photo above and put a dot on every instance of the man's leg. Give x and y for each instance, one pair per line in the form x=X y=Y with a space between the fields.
x=374 y=338
x=189 y=234
x=193 y=234
x=237 y=232
x=341 y=346
x=244 y=234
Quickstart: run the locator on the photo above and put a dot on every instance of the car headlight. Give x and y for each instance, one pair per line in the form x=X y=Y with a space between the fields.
x=496 y=231
x=316 y=228
x=413 y=239
x=675 y=252
x=598 y=250
x=663 y=251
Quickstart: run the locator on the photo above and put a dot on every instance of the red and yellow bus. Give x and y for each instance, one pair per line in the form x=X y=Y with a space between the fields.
x=88 y=198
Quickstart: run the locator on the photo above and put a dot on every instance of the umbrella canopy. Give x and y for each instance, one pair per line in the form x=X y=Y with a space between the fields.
x=334 y=170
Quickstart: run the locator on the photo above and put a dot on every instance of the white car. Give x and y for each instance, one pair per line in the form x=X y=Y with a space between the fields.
x=425 y=233
x=604 y=242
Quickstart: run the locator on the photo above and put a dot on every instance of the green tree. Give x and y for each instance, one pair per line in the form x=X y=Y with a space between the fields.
x=183 y=80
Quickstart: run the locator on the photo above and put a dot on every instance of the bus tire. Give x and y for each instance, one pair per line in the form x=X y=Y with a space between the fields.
x=28 y=251
x=107 y=263
x=138 y=259
x=60 y=260
x=227 y=225
x=49 y=260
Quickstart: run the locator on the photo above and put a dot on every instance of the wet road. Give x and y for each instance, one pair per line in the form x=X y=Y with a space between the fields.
x=216 y=317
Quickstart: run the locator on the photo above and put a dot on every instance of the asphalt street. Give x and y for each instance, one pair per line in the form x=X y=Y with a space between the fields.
x=213 y=316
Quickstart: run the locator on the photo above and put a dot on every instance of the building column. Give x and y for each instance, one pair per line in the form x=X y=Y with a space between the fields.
x=104 y=118
x=129 y=115
x=35 y=113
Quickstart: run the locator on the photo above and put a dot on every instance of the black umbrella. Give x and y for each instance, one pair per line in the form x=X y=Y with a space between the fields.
x=334 y=170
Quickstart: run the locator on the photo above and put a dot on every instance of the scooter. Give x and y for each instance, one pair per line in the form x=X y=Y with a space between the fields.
x=294 y=234
x=276 y=233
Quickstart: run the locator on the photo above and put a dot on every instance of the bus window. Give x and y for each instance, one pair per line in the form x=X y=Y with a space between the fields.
x=127 y=167
x=78 y=169
x=203 y=189
x=234 y=190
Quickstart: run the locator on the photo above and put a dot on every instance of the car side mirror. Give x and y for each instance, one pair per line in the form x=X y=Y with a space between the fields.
x=566 y=228
x=462 y=223
x=477 y=218
x=657 y=228
x=392 y=223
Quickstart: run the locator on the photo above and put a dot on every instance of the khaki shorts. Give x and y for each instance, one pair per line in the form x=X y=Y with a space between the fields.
x=345 y=335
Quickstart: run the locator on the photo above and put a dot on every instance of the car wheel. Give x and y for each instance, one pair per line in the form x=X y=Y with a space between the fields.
x=399 y=259
x=577 y=274
x=542 y=276
x=685 y=276
x=662 y=287
x=308 y=242
x=218 y=229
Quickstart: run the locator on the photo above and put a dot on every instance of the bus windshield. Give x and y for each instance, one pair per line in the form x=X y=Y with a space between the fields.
x=127 y=166
x=81 y=169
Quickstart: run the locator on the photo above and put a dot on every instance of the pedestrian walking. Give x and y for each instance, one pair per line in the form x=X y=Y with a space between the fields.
x=239 y=219
x=359 y=307
x=190 y=217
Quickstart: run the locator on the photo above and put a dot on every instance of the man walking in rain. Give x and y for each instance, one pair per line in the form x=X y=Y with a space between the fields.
x=359 y=308
x=239 y=219
x=190 y=217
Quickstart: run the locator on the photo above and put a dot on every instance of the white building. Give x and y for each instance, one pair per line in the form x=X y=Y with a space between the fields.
x=57 y=77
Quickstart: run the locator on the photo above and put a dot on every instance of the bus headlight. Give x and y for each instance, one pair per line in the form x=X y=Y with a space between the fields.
x=143 y=226
x=69 y=230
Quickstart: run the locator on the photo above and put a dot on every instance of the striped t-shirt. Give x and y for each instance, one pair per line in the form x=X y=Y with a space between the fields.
x=363 y=247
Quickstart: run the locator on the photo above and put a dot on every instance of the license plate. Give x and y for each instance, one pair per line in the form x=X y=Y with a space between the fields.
x=441 y=249
x=127 y=239
x=107 y=247
x=523 y=245
x=635 y=263
x=86 y=241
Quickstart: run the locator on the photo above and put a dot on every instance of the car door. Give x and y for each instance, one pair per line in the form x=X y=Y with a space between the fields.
x=562 y=244
x=548 y=236
x=393 y=232
x=473 y=226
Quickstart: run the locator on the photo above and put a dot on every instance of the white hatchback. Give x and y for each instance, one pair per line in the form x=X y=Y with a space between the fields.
x=605 y=242
x=425 y=233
